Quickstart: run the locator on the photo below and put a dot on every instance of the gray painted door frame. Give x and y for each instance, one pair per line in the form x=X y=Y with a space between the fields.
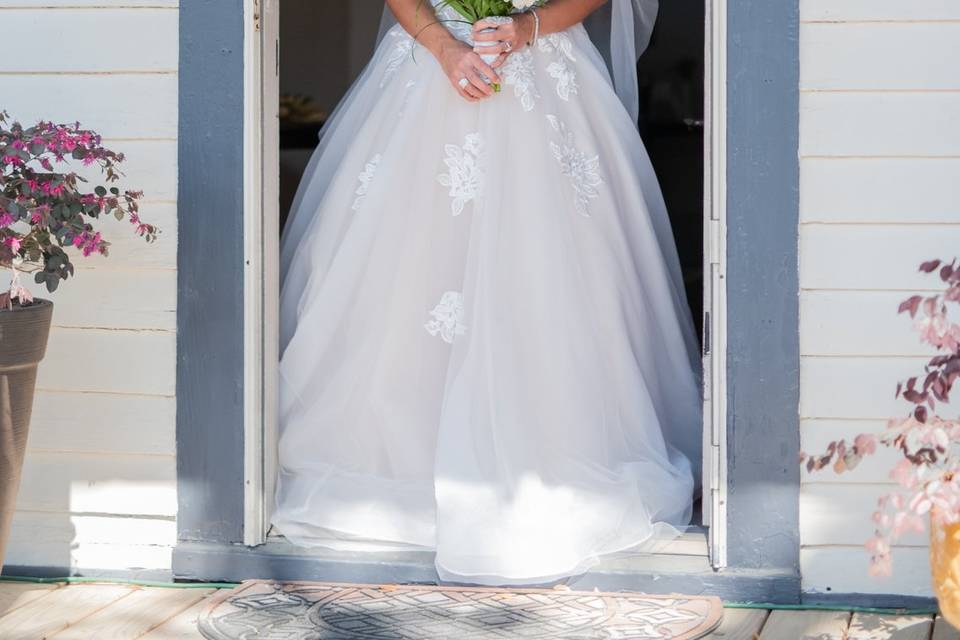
x=762 y=348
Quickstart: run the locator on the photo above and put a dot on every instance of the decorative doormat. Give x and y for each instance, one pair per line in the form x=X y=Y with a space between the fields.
x=264 y=609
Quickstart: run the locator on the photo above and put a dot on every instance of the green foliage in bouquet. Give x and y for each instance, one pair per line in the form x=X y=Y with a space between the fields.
x=474 y=10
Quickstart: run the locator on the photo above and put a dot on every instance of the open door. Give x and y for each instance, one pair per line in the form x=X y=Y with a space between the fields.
x=261 y=262
x=714 y=285
x=261 y=219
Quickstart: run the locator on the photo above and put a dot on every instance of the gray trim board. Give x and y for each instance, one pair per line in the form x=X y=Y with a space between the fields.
x=210 y=272
x=652 y=574
x=763 y=356
x=763 y=349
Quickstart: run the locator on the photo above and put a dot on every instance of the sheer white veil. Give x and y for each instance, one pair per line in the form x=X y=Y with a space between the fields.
x=620 y=29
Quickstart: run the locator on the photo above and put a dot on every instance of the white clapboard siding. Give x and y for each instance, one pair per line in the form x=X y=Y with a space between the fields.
x=114 y=298
x=879 y=10
x=80 y=3
x=879 y=194
x=93 y=483
x=855 y=387
x=861 y=56
x=132 y=561
x=857 y=323
x=65 y=528
x=880 y=124
x=843 y=569
x=816 y=434
x=150 y=165
x=832 y=513
x=874 y=257
x=130 y=251
x=111 y=360
x=130 y=39
x=124 y=423
x=139 y=104
x=99 y=485
x=875 y=190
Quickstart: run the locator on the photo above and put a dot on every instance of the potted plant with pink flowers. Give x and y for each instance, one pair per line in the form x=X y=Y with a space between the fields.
x=928 y=446
x=48 y=214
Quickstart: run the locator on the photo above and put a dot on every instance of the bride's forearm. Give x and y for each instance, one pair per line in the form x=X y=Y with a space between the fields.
x=557 y=15
x=419 y=20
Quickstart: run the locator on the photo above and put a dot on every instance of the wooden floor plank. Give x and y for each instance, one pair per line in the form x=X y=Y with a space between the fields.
x=134 y=615
x=943 y=630
x=739 y=624
x=805 y=625
x=871 y=626
x=182 y=626
x=58 y=609
x=14 y=595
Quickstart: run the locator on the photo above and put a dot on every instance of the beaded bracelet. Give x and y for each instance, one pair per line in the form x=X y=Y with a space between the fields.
x=536 y=26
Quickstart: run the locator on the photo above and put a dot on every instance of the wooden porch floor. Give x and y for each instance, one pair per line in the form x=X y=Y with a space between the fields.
x=124 y=612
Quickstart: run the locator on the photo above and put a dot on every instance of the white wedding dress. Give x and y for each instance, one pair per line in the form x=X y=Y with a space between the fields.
x=486 y=346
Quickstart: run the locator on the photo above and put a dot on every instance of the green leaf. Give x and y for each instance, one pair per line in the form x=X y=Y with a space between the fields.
x=101 y=191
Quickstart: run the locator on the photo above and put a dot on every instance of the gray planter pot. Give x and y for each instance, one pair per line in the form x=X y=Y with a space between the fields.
x=23 y=342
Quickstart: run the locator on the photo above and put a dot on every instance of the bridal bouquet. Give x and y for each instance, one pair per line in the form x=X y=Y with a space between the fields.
x=497 y=11
x=475 y=10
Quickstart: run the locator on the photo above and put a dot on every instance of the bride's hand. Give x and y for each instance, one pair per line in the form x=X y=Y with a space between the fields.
x=512 y=36
x=459 y=61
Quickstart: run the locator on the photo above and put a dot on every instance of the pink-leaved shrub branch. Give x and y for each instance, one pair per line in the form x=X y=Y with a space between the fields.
x=928 y=469
x=45 y=207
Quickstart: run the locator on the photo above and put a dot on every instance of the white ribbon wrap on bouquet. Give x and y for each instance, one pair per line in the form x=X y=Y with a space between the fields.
x=490 y=57
x=620 y=29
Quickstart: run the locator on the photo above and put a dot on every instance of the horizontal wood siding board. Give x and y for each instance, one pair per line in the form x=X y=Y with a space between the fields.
x=130 y=561
x=874 y=257
x=140 y=361
x=880 y=124
x=98 y=484
x=816 y=434
x=149 y=166
x=843 y=569
x=879 y=10
x=115 y=106
x=43 y=527
x=123 y=424
x=877 y=190
x=854 y=387
x=112 y=298
x=860 y=56
x=129 y=251
x=142 y=39
x=857 y=323
x=79 y=4
x=841 y=513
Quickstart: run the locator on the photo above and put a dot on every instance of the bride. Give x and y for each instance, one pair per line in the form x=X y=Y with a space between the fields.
x=486 y=350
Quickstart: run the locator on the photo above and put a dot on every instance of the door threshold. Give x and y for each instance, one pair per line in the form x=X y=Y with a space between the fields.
x=661 y=573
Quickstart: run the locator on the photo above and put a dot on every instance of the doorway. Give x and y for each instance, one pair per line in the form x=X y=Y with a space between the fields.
x=677 y=78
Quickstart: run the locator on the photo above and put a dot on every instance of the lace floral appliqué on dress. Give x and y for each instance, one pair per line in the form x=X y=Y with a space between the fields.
x=465 y=177
x=400 y=52
x=577 y=165
x=447 y=317
x=561 y=69
x=365 y=177
x=518 y=72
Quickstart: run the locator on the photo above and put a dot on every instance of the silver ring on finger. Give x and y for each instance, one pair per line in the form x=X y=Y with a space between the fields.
x=507 y=46
x=463 y=82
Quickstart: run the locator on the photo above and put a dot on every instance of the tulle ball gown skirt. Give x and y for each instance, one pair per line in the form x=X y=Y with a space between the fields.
x=486 y=348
